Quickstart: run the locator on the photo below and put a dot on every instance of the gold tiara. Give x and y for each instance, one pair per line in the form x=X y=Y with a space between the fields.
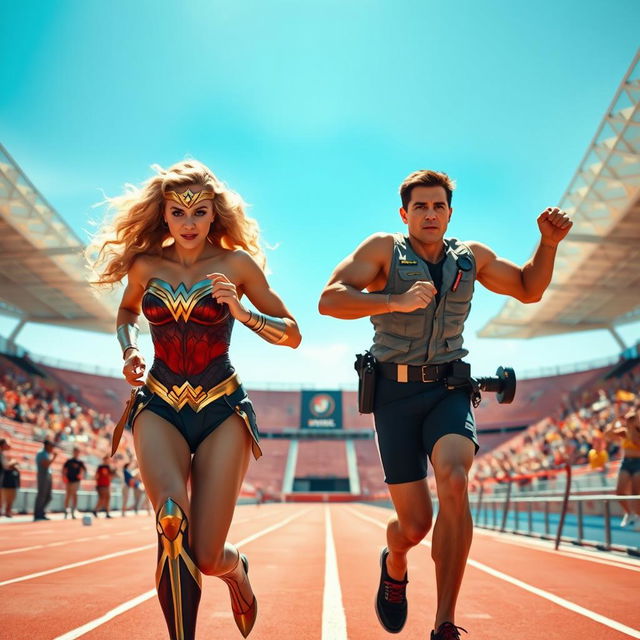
x=188 y=198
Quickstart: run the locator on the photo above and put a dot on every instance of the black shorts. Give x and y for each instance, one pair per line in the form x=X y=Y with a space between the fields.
x=195 y=426
x=410 y=417
x=630 y=465
x=10 y=480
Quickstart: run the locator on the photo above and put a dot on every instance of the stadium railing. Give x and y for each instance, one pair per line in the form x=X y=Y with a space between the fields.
x=582 y=517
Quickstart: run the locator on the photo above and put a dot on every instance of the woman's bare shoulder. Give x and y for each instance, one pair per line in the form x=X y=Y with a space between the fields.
x=143 y=267
x=239 y=260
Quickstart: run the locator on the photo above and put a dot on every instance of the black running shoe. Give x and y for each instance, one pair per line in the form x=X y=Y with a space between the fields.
x=447 y=631
x=391 y=600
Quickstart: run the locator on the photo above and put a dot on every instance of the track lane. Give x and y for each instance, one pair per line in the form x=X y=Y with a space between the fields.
x=94 y=589
x=20 y=566
x=516 y=619
x=286 y=568
x=584 y=583
x=30 y=534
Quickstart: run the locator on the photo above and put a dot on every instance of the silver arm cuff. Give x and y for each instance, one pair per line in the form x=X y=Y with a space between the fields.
x=273 y=330
x=128 y=336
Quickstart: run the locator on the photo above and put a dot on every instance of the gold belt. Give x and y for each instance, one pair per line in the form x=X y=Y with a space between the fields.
x=195 y=397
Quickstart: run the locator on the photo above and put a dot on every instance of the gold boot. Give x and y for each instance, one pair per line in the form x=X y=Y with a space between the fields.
x=177 y=578
x=243 y=613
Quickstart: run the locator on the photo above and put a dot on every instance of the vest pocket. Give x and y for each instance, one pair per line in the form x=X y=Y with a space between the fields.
x=397 y=343
x=457 y=308
x=464 y=291
x=455 y=343
x=454 y=319
x=413 y=323
x=404 y=324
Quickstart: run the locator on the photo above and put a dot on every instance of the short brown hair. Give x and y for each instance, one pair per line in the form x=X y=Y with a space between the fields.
x=425 y=178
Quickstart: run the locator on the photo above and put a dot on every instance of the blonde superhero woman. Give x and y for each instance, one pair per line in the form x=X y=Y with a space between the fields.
x=190 y=255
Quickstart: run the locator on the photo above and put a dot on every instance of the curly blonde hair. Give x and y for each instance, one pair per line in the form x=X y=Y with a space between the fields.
x=137 y=226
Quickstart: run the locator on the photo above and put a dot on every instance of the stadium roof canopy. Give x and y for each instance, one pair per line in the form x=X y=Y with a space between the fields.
x=43 y=275
x=596 y=283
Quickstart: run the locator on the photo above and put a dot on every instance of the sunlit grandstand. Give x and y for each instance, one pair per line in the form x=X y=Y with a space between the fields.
x=207 y=209
x=316 y=445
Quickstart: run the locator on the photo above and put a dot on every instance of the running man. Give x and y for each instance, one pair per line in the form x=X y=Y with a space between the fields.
x=417 y=288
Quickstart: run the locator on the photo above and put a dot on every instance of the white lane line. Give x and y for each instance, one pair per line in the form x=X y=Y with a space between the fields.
x=599 y=557
x=125 y=606
x=591 y=555
x=610 y=563
x=334 y=623
x=257 y=517
x=571 y=606
x=65 y=567
x=273 y=527
x=576 y=608
x=134 y=602
x=36 y=533
x=60 y=544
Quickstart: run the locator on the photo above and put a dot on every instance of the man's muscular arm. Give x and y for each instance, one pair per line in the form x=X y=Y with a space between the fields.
x=529 y=282
x=367 y=268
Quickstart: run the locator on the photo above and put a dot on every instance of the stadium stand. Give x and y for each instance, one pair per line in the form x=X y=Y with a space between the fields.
x=536 y=398
x=553 y=417
x=103 y=393
x=371 y=475
x=276 y=410
x=352 y=418
x=321 y=458
x=267 y=472
x=559 y=438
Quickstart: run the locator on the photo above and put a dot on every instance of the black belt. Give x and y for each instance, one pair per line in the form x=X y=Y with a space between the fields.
x=414 y=373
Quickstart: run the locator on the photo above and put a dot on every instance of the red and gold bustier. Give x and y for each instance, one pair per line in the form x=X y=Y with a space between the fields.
x=191 y=333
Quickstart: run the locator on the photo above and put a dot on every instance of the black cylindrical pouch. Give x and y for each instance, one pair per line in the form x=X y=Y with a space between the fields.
x=365 y=365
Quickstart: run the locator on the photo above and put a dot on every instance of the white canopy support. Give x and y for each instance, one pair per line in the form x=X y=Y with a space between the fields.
x=43 y=274
x=596 y=283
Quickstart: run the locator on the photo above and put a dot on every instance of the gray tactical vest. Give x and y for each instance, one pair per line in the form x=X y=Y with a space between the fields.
x=432 y=335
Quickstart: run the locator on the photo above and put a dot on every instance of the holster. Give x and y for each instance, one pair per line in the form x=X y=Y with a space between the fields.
x=365 y=365
x=460 y=377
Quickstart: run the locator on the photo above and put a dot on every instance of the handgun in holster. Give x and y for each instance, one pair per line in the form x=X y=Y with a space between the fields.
x=365 y=365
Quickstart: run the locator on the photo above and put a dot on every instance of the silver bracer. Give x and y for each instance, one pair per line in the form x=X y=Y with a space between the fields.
x=273 y=330
x=128 y=336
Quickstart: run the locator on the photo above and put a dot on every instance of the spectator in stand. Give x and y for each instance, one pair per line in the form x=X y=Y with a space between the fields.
x=44 y=459
x=103 y=476
x=54 y=415
x=598 y=455
x=9 y=479
x=73 y=472
x=549 y=444
x=627 y=428
x=4 y=446
x=139 y=494
x=128 y=482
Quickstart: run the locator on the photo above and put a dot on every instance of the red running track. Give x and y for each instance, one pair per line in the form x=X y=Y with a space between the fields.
x=314 y=569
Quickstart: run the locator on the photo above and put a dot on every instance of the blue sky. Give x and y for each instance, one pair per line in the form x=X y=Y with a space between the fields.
x=315 y=111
